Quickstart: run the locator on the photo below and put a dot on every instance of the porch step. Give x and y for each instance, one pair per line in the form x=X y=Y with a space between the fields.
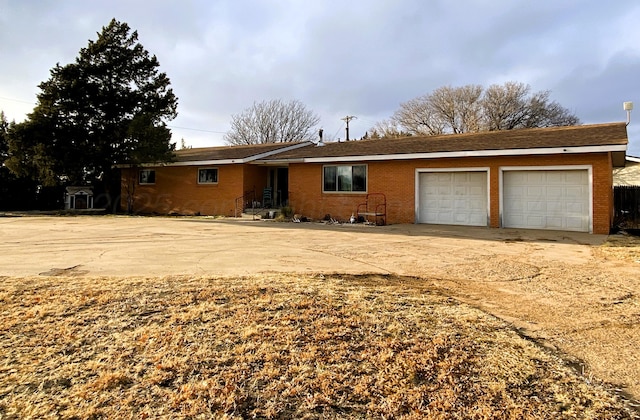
x=261 y=213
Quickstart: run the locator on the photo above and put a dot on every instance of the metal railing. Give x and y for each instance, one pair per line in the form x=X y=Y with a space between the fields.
x=242 y=200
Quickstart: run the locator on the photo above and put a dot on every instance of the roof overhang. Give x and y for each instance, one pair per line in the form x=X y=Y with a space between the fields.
x=201 y=162
x=279 y=162
x=247 y=159
x=474 y=153
x=209 y=162
x=618 y=159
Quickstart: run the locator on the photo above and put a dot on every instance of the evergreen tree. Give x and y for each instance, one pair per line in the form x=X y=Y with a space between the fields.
x=108 y=107
x=16 y=193
x=4 y=146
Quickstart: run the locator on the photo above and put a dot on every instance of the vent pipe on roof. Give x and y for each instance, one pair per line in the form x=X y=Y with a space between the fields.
x=320 y=143
x=628 y=106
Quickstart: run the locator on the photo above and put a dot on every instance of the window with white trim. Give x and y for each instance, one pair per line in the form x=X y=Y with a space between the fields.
x=208 y=176
x=147 y=176
x=344 y=178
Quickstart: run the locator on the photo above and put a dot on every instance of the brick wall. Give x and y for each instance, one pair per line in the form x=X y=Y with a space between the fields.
x=176 y=191
x=396 y=180
x=255 y=179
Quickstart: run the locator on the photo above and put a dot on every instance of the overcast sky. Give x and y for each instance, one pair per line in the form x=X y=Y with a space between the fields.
x=339 y=58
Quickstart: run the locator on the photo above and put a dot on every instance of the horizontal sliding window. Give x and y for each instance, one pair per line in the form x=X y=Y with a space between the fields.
x=208 y=176
x=345 y=178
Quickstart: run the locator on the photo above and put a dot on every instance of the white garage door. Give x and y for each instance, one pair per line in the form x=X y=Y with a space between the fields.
x=546 y=200
x=453 y=198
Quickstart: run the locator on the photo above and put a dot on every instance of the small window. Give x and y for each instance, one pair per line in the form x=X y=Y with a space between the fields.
x=345 y=178
x=208 y=176
x=147 y=176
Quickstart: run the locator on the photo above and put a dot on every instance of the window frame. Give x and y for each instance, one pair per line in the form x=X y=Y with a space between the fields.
x=336 y=181
x=217 y=172
x=149 y=171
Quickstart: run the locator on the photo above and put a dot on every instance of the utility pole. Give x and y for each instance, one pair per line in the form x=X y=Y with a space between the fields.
x=347 y=119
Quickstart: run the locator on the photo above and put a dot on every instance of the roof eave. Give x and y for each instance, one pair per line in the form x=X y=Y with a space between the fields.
x=470 y=153
x=243 y=159
x=277 y=151
x=278 y=161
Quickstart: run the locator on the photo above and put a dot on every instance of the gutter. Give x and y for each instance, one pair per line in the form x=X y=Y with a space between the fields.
x=474 y=153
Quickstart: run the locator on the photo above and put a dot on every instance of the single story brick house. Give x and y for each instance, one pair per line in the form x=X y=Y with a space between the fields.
x=546 y=178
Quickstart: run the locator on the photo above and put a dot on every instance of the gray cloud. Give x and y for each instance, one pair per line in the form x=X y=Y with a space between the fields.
x=339 y=58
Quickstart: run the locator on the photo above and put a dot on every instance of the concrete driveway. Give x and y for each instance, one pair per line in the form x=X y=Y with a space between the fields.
x=141 y=246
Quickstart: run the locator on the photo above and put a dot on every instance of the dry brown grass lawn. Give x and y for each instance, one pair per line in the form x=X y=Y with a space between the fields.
x=273 y=346
x=622 y=246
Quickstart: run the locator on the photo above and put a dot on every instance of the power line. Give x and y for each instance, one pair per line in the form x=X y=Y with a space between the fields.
x=197 y=129
x=170 y=126
x=16 y=100
x=336 y=133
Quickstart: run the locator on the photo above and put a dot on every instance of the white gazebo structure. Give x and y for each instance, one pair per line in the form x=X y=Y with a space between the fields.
x=78 y=198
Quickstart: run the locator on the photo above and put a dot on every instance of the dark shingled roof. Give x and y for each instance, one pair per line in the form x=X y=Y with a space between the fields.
x=554 y=137
x=227 y=152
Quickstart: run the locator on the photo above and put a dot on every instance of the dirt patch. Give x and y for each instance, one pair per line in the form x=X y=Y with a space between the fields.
x=494 y=269
x=69 y=271
x=276 y=346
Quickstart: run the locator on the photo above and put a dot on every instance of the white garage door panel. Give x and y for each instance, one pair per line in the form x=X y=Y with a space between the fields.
x=546 y=199
x=453 y=198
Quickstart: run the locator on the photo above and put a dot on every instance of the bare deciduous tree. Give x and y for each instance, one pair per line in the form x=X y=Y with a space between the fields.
x=445 y=110
x=471 y=108
x=504 y=107
x=511 y=106
x=386 y=129
x=417 y=117
x=546 y=113
x=458 y=109
x=272 y=121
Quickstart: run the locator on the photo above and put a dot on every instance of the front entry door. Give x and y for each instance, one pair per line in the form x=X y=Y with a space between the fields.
x=278 y=181
x=282 y=197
